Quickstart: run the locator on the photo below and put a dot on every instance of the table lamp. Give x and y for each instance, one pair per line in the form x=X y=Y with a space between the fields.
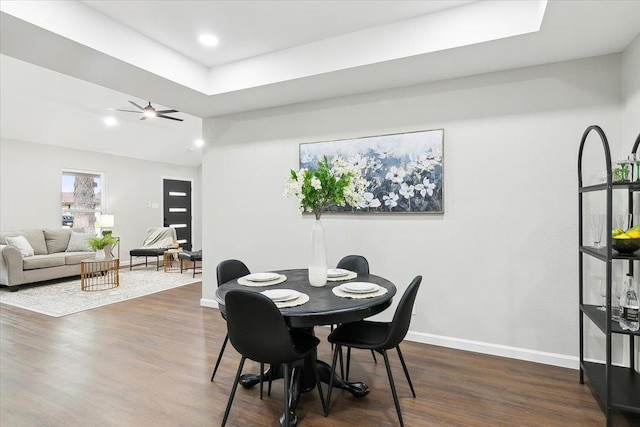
x=105 y=223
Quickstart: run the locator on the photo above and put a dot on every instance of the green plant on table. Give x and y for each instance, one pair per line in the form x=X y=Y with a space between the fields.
x=97 y=243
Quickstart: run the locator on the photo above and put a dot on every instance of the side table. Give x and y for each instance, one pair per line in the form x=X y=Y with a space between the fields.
x=171 y=260
x=99 y=274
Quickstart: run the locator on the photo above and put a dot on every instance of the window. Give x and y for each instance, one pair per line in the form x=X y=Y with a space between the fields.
x=82 y=199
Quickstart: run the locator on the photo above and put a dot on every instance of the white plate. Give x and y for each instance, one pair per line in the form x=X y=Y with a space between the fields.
x=281 y=295
x=359 y=287
x=337 y=272
x=261 y=277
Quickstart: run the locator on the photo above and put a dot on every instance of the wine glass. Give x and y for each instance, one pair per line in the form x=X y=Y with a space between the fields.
x=602 y=288
x=623 y=166
x=597 y=224
x=634 y=158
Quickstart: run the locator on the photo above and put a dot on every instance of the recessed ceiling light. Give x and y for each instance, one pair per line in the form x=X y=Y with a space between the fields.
x=110 y=121
x=198 y=143
x=208 y=40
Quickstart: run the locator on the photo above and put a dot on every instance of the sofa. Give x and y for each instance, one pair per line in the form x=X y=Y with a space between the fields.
x=35 y=255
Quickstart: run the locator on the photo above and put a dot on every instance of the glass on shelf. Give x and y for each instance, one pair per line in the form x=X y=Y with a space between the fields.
x=634 y=159
x=622 y=172
x=596 y=223
x=602 y=289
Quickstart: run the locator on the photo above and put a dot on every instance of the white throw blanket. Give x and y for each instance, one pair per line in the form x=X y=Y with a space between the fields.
x=161 y=237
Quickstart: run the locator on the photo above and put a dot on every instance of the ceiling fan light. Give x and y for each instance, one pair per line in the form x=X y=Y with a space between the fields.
x=110 y=121
x=150 y=113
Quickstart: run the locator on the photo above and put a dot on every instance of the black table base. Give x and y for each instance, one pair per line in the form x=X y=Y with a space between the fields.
x=356 y=388
x=304 y=382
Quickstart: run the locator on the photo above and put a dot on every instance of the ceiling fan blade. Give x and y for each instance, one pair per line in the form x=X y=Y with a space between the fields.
x=166 y=111
x=128 y=111
x=170 y=118
x=133 y=103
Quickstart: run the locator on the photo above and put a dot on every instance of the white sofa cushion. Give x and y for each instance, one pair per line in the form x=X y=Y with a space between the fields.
x=21 y=244
x=43 y=261
x=78 y=242
x=72 y=258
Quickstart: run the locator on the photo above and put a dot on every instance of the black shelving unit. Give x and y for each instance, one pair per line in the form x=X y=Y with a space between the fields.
x=618 y=387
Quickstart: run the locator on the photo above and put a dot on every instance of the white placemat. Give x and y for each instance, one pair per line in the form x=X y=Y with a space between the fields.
x=342 y=294
x=243 y=281
x=302 y=299
x=351 y=275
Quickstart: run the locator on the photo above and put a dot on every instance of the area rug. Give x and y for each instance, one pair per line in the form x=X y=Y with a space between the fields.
x=60 y=298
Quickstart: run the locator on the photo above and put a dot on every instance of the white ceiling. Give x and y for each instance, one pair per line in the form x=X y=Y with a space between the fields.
x=64 y=64
x=252 y=28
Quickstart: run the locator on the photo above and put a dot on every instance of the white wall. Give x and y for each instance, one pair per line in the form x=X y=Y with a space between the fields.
x=500 y=266
x=30 y=180
x=631 y=92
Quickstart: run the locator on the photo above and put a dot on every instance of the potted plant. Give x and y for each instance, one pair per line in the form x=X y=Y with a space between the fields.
x=99 y=244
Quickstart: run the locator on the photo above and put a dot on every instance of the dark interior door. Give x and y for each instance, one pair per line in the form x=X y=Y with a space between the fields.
x=177 y=209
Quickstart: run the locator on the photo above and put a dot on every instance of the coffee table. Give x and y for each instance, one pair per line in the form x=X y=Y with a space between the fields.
x=99 y=274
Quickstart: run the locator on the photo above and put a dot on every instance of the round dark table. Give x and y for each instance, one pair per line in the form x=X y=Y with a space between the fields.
x=323 y=308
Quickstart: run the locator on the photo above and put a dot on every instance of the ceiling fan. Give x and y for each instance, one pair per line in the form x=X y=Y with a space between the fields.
x=149 y=111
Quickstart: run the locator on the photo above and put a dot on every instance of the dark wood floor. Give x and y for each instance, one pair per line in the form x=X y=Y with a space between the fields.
x=148 y=362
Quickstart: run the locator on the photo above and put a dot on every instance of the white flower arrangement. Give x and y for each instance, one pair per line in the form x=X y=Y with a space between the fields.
x=338 y=184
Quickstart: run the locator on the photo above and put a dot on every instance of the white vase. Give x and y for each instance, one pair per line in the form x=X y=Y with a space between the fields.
x=100 y=254
x=107 y=251
x=318 y=260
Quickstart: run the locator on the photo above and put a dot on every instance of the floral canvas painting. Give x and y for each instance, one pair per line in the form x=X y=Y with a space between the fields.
x=403 y=172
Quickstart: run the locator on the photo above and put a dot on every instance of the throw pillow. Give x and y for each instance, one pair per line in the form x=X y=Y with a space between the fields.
x=57 y=240
x=78 y=242
x=21 y=244
x=35 y=237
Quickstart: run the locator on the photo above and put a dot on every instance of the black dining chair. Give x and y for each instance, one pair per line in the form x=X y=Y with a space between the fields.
x=378 y=336
x=227 y=270
x=355 y=263
x=360 y=265
x=258 y=332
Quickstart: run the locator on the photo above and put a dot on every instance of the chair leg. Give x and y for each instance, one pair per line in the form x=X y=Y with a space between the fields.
x=341 y=364
x=406 y=372
x=287 y=389
x=393 y=386
x=348 y=363
x=317 y=376
x=373 y=353
x=338 y=348
x=224 y=344
x=261 y=378
x=332 y=327
x=270 y=379
x=233 y=391
x=194 y=269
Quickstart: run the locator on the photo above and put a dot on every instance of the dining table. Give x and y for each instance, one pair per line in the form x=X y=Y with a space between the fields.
x=316 y=306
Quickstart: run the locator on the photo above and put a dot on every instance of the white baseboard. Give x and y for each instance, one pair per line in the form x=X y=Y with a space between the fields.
x=529 y=355
x=206 y=302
